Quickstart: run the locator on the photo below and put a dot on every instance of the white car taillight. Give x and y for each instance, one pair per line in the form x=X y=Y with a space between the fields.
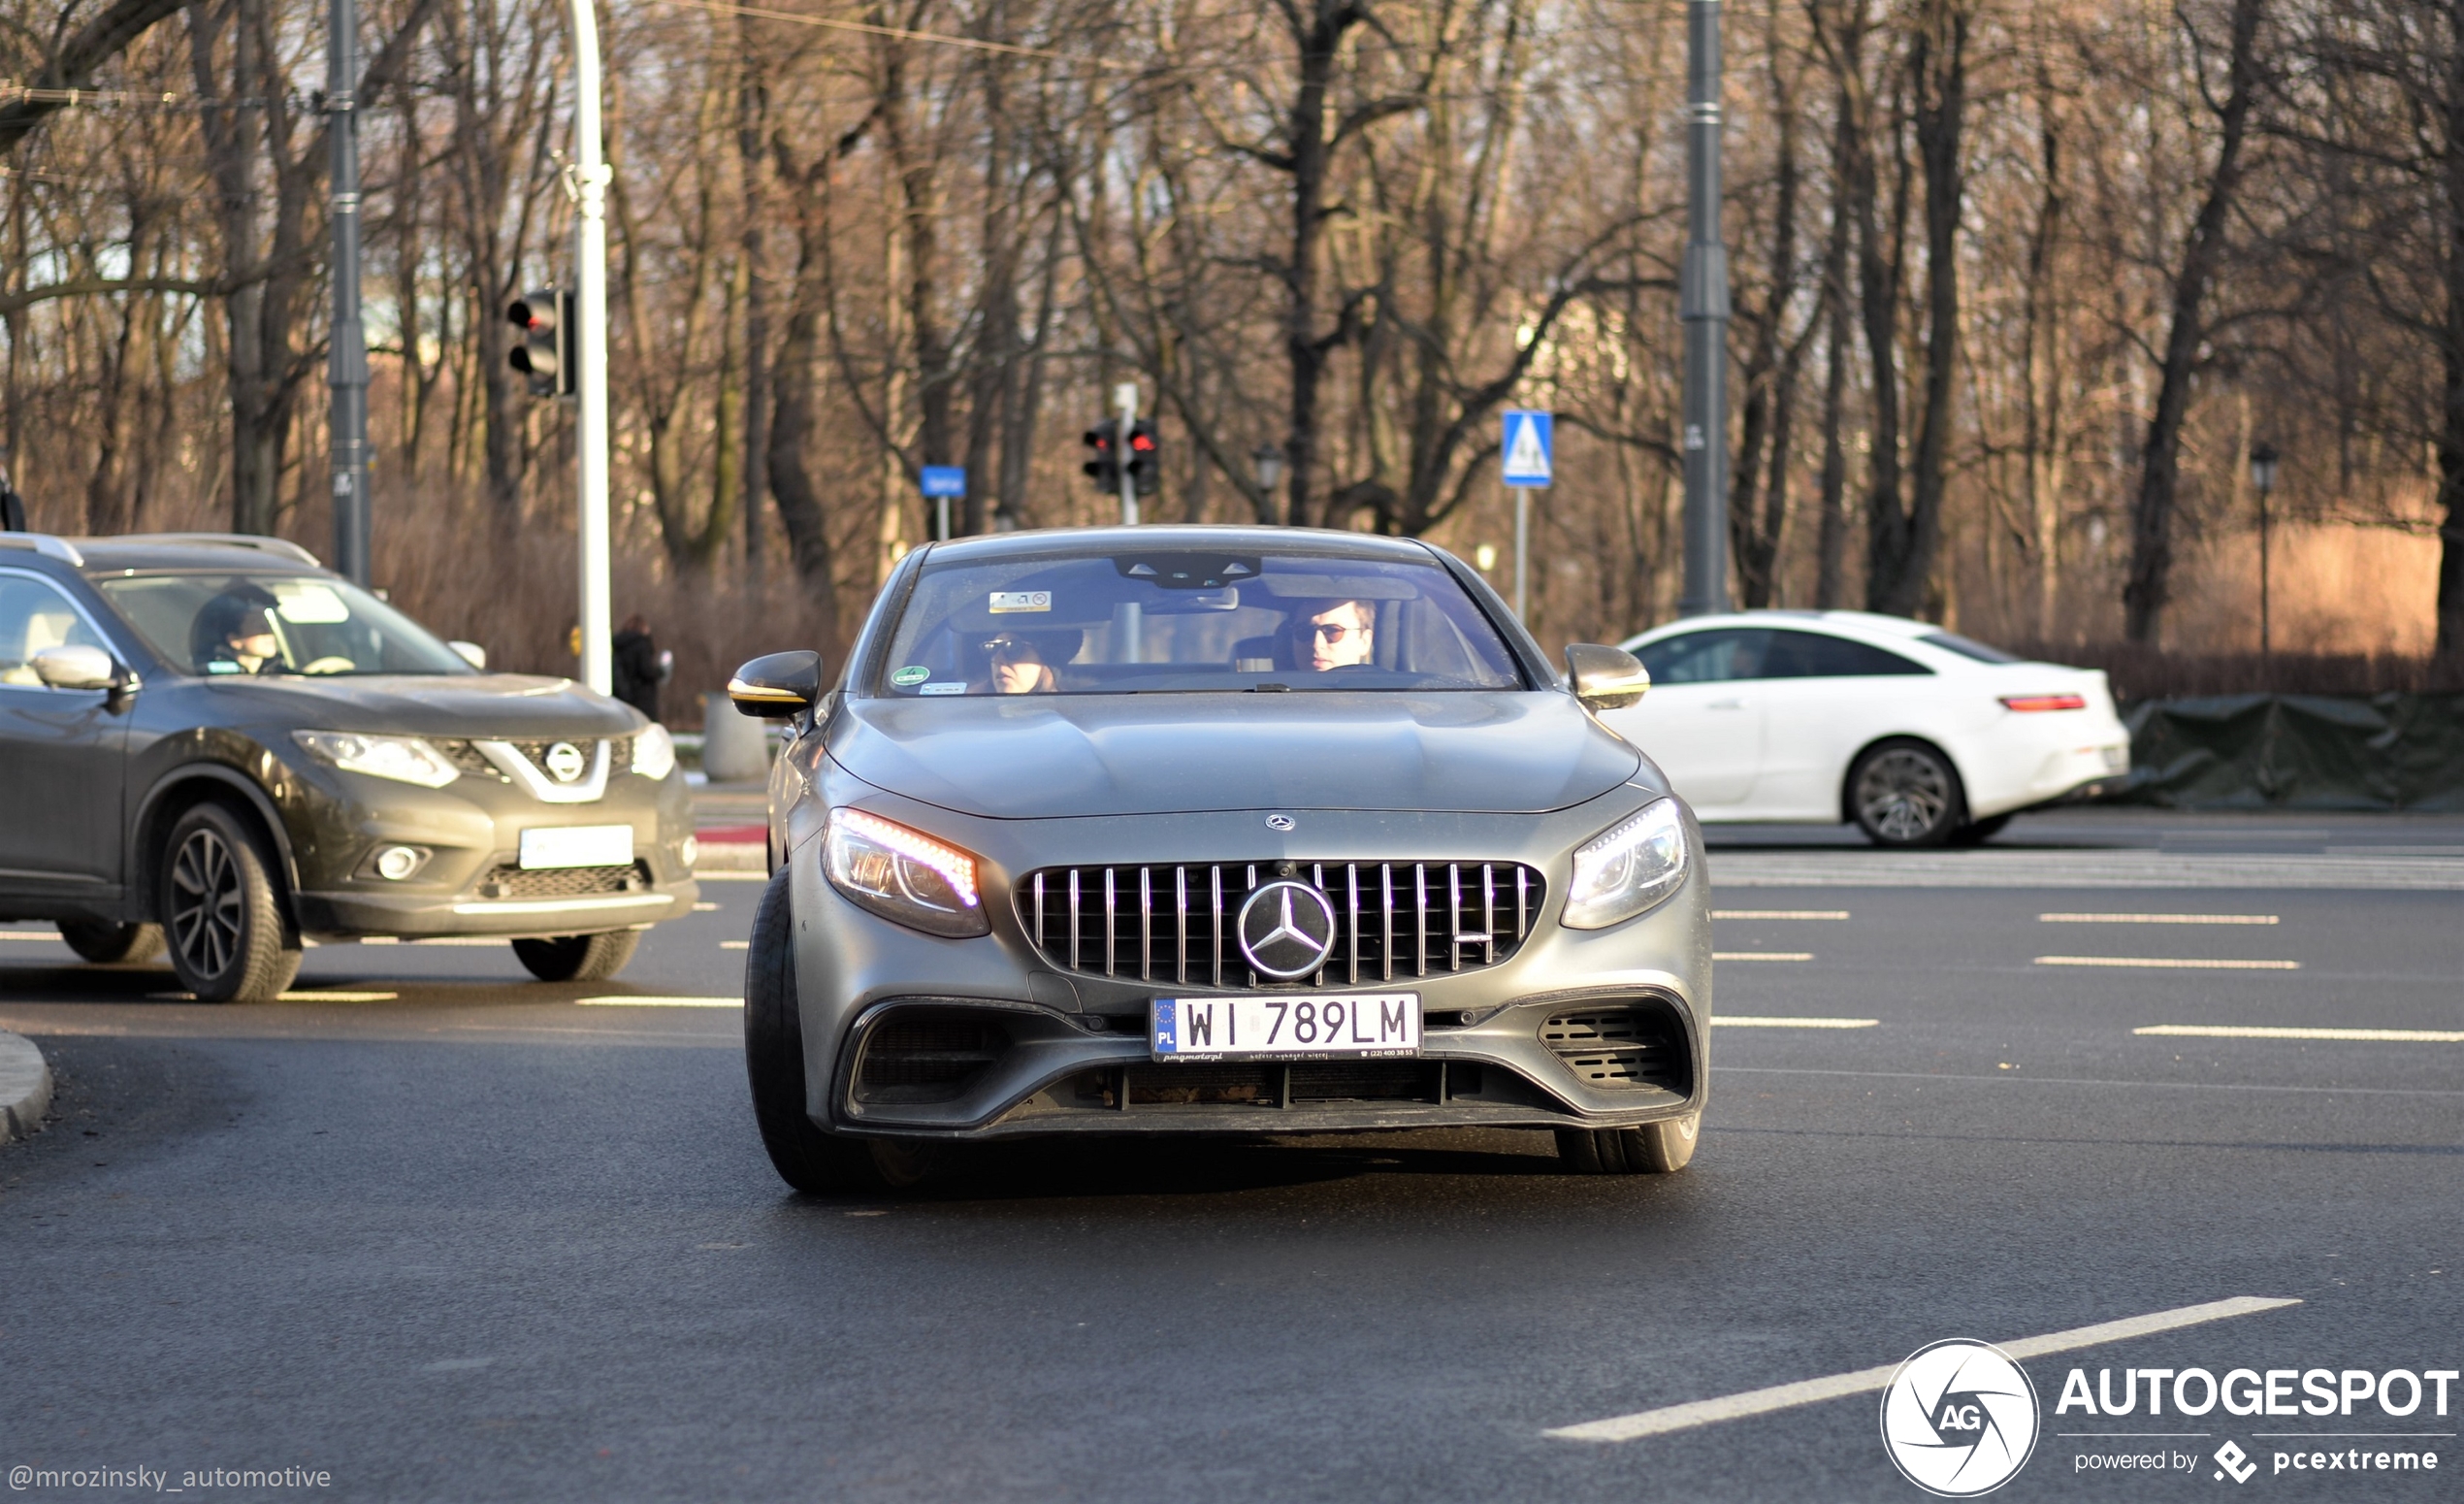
x=2027 y=703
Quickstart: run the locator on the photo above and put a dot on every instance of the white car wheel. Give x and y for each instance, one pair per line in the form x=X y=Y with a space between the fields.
x=1905 y=794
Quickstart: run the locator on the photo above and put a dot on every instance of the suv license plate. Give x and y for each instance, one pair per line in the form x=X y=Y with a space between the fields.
x=1290 y=1027
x=577 y=845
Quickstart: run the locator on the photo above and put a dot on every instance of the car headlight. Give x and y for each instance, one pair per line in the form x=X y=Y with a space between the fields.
x=904 y=876
x=1627 y=868
x=403 y=758
x=654 y=752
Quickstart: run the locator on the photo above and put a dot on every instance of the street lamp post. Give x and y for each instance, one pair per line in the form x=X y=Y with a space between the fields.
x=590 y=279
x=347 y=353
x=1702 y=306
x=2263 y=461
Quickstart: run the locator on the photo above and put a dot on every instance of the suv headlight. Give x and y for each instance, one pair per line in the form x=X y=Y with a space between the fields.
x=403 y=759
x=904 y=876
x=1627 y=868
x=654 y=752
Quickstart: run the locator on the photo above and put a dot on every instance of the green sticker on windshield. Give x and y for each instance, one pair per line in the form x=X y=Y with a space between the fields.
x=913 y=673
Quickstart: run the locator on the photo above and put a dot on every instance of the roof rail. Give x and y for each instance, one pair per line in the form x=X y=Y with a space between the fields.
x=256 y=540
x=46 y=545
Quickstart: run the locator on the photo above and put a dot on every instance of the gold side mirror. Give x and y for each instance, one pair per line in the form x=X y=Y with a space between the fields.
x=1606 y=678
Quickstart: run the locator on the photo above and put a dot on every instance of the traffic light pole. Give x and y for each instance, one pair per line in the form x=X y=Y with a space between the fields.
x=1126 y=395
x=590 y=235
x=1702 y=304
x=347 y=359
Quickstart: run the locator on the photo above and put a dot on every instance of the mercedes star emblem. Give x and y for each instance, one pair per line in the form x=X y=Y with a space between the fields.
x=1280 y=822
x=1288 y=930
x=564 y=759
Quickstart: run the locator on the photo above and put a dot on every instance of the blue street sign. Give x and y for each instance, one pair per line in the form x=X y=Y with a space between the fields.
x=1530 y=447
x=945 y=480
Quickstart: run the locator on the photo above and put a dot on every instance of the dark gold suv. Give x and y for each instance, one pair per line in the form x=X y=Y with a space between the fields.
x=209 y=740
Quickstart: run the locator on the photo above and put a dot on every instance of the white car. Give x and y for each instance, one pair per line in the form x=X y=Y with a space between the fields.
x=1918 y=736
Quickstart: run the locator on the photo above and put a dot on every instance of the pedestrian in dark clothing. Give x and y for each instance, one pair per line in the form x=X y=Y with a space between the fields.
x=636 y=668
x=12 y=507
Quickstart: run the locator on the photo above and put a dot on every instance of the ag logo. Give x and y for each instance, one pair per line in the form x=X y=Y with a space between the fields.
x=1959 y=1418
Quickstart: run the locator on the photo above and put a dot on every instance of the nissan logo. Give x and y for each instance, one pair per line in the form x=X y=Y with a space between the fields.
x=1288 y=930
x=564 y=759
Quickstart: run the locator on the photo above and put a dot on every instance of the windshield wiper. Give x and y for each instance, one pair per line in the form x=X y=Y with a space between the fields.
x=1270 y=689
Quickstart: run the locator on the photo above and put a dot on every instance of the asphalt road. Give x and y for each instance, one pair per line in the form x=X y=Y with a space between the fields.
x=450 y=1235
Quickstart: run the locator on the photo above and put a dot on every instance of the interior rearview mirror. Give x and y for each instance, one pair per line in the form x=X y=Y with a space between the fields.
x=777 y=685
x=76 y=666
x=1606 y=678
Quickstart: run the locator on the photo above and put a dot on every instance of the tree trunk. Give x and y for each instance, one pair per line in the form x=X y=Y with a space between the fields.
x=753 y=113
x=1938 y=72
x=2450 y=647
x=2144 y=594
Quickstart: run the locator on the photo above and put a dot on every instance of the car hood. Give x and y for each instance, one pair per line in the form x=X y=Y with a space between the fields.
x=1040 y=756
x=485 y=705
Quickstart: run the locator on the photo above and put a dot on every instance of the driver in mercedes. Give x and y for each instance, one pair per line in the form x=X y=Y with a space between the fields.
x=1338 y=634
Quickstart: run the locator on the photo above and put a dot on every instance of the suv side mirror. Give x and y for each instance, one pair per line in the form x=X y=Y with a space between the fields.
x=77 y=666
x=777 y=686
x=1606 y=678
x=471 y=653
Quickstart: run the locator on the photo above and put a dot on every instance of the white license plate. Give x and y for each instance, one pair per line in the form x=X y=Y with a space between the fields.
x=1301 y=1027
x=577 y=845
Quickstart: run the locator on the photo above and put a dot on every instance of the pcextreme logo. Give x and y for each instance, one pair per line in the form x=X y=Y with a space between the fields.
x=1959 y=1417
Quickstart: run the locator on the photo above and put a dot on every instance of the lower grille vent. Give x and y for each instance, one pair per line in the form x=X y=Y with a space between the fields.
x=927 y=1060
x=1622 y=1046
x=1312 y=1082
x=509 y=881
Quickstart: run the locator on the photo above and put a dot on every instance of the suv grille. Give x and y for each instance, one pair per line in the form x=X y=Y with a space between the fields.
x=1177 y=924
x=509 y=881
x=1621 y=1046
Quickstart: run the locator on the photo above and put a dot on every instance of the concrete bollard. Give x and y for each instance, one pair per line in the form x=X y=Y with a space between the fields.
x=736 y=748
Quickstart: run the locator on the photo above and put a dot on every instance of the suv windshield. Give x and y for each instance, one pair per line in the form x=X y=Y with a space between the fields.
x=270 y=624
x=1087 y=623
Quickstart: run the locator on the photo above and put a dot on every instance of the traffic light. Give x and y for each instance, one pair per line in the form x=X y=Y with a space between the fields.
x=1105 y=468
x=1145 y=460
x=550 y=351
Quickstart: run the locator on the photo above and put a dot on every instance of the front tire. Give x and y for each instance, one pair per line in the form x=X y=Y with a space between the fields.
x=112 y=945
x=807 y=1158
x=1905 y=794
x=222 y=910
x=578 y=958
x=1660 y=1148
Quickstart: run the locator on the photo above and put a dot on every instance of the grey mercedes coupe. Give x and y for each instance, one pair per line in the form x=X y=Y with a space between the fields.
x=1214 y=829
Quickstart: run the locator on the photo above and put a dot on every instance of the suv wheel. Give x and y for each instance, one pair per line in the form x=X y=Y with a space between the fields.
x=1905 y=794
x=578 y=958
x=812 y=1160
x=110 y=944
x=222 y=910
x=1654 y=1149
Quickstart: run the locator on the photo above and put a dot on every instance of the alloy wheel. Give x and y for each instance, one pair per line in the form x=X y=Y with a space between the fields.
x=207 y=904
x=1904 y=794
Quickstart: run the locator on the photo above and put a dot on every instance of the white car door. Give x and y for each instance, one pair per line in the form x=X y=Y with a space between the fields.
x=1702 y=720
x=1825 y=698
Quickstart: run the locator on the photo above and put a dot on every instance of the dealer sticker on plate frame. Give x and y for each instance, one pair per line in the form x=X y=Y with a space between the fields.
x=1285 y=1026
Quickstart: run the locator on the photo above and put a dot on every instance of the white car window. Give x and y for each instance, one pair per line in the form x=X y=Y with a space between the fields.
x=1712 y=657
x=1814 y=655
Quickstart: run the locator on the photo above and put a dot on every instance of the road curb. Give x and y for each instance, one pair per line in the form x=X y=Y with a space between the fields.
x=25 y=1088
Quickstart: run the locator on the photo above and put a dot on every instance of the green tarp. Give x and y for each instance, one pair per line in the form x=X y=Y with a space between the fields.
x=2298 y=752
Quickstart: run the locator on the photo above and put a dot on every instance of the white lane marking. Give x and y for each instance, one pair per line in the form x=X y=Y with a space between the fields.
x=660 y=1002
x=705 y=908
x=29 y=935
x=2157 y=919
x=2258 y=1032
x=1758 y=1021
x=1762 y=954
x=738 y=945
x=315 y=997
x=2395 y=851
x=1868 y=1381
x=2169 y=963
x=1779 y=913
x=730 y=878
x=2105 y=868
x=2160 y=1086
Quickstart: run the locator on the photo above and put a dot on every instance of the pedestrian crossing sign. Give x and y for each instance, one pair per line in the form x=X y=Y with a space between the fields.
x=1529 y=446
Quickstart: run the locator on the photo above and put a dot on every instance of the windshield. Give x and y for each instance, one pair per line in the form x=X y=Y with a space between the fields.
x=1110 y=623
x=275 y=623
